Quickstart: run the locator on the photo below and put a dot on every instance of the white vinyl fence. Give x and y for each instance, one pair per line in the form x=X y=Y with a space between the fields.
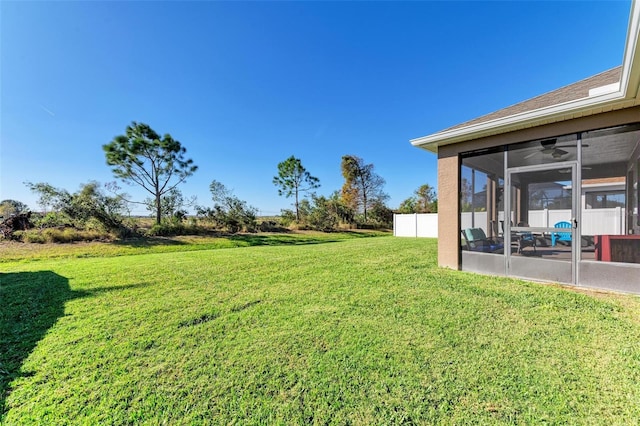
x=594 y=222
x=416 y=225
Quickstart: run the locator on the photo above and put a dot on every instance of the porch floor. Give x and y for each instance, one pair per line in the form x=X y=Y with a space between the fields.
x=562 y=250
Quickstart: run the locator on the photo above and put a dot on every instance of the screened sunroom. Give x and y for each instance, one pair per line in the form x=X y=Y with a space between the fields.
x=548 y=189
x=561 y=209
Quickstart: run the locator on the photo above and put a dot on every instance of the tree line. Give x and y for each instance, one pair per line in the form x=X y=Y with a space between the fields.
x=158 y=164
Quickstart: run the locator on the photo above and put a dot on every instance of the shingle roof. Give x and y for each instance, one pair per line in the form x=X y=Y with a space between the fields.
x=568 y=93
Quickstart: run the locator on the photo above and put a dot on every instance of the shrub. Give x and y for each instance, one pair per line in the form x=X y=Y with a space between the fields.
x=166 y=229
x=171 y=228
x=32 y=236
x=229 y=212
x=269 y=226
x=366 y=226
x=233 y=217
x=299 y=226
x=55 y=235
x=321 y=213
x=380 y=216
x=287 y=217
x=90 y=208
x=60 y=235
x=69 y=235
x=52 y=220
x=323 y=217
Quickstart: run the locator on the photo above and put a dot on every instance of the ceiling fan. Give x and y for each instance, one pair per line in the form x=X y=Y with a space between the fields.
x=549 y=147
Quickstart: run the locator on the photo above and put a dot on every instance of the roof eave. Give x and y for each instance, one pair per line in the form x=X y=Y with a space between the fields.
x=630 y=78
x=580 y=108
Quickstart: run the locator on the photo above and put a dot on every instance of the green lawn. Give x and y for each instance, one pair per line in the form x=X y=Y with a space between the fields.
x=355 y=331
x=12 y=251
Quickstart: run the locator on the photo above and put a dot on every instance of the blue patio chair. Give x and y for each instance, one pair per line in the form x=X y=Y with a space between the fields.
x=561 y=236
x=476 y=240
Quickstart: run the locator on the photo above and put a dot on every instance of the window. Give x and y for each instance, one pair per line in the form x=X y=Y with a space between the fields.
x=481 y=192
x=605 y=200
x=555 y=195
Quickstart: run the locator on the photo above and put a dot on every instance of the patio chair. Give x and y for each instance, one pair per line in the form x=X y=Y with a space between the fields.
x=525 y=239
x=476 y=240
x=496 y=229
x=561 y=236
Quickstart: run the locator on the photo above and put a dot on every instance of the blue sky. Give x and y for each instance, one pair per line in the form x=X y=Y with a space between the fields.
x=244 y=85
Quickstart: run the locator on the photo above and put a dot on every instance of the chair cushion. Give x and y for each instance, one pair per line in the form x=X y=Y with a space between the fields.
x=475 y=234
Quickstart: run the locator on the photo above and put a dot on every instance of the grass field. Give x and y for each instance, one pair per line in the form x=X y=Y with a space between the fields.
x=327 y=330
x=11 y=251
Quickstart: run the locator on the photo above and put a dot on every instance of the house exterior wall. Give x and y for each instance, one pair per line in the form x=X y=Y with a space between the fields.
x=449 y=170
x=448 y=207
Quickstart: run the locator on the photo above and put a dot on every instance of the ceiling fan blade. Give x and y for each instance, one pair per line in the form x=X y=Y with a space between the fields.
x=584 y=145
x=567 y=171
x=526 y=157
x=558 y=153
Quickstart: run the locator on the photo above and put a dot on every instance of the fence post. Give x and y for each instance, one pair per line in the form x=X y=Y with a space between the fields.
x=394 y=225
x=415 y=222
x=546 y=218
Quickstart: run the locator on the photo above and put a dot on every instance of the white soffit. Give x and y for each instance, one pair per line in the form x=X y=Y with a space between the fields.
x=609 y=88
x=624 y=94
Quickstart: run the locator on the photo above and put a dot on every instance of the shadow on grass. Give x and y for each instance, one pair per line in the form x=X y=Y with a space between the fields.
x=246 y=240
x=299 y=239
x=30 y=304
x=243 y=240
x=279 y=239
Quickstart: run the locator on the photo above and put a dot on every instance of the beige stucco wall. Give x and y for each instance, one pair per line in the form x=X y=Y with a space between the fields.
x=448 y=170
x=448 y=202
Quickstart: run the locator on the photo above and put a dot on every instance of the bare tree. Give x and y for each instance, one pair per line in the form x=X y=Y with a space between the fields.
x=363 y=188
